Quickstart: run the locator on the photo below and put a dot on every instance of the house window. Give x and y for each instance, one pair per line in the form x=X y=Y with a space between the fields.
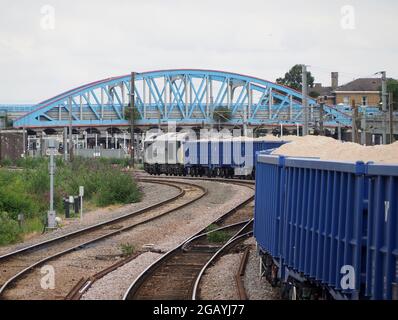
x=346 y=100
x=364 y=100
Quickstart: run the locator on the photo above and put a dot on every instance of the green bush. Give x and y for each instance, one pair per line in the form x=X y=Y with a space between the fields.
x=116 y=187
x=212 y=227
x=15 y=195
x=27 y=191
x=9 y=229
x=222 y=114
x=30 y=162
x=37 y=181
x=218 y=236
x=35 y=224
x=5 y=162
x=127 y=249
x=124 y=162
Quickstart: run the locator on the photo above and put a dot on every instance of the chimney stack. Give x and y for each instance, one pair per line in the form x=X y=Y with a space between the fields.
x=335 y=80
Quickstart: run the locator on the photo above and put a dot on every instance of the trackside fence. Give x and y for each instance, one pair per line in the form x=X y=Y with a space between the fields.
x=325 y=220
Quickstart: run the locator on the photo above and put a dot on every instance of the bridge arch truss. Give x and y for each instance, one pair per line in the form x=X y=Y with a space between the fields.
x=186 y=96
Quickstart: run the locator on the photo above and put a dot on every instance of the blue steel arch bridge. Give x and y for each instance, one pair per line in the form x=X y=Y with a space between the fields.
x=187 y=96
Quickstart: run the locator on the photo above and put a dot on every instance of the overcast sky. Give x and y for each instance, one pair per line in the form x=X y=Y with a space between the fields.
x=92 y=40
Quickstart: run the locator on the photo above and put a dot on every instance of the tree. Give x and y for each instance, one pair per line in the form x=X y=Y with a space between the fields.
x=127 y=113
x=392 y=87
x=314 y=94
x=222 y=114
x=9 y=122
x=293 y=79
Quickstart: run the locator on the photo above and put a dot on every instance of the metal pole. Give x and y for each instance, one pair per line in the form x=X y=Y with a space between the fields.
x=245 y=109
x=70 y=130
x=207 y=97
x=51 y=213
x=270 y=103
x=65 y=144
x=51 y=182
x=186 y=96
x=24 y=141
x=304 y=100
x=321 y=128
x=391 y=117
x=363 y=129
x=132 y=102
x=159 y=115
x=354 y=121
x=384 y=104
x=144 y=96
x=211 y=104
x=229 y=94
x=81 y=208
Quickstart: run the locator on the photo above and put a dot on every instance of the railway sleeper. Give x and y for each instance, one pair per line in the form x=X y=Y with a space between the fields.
x=204 y=248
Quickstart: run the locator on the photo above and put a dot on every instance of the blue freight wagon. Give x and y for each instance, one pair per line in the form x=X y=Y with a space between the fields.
x=328 y=229
x=224 y=158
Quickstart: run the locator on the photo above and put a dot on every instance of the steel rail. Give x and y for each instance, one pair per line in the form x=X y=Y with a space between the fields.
x=134 y=286
x=240 y=274
x=84 y=244
x=237 y=238
x=224 y=180
x=85 y=283
x=98 y=225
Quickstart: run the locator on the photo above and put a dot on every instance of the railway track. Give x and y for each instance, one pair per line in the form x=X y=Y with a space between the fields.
x=144 y=175
x=17 y=264
x=174 y=275
x=234 y=241
x=85 y=283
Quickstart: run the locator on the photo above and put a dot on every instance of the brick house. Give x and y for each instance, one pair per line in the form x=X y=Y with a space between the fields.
x=365 y=91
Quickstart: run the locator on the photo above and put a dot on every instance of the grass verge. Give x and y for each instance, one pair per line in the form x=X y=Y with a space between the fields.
x=27 y=191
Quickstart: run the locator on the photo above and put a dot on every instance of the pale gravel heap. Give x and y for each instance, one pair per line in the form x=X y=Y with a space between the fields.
x=152 y=193
x=327 y=148
x=218 y=282
x=115 y=284
x=257 y=288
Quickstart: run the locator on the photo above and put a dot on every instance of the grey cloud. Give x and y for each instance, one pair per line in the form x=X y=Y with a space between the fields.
x=97 y=39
